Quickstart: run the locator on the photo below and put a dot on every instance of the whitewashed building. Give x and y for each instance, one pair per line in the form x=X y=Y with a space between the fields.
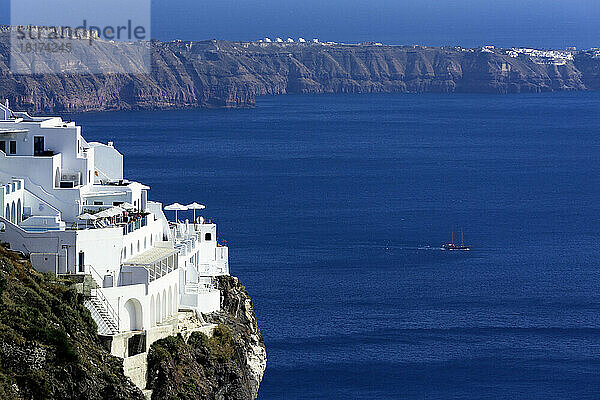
x=65 y=203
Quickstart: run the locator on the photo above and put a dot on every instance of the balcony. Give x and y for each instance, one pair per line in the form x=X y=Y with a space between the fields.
x=135 y=225
x=70 y=180
x=157 y=261
x=204 y=285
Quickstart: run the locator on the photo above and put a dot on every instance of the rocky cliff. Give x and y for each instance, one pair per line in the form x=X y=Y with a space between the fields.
x=227 y=74
x=49 y=348
x=228 y=365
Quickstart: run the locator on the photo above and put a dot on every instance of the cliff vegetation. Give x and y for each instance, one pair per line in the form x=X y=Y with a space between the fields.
x=229 y=365
x=49 y=348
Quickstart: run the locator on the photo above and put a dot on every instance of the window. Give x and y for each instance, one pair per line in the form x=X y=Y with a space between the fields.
x=38 y=145
x=13 y=147
x=98 y=203
x=208 y=237
x=3 y=146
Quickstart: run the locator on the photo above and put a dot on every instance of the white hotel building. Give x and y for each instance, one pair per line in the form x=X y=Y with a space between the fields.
x=145 y=269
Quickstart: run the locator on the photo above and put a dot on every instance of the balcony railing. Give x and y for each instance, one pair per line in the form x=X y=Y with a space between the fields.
x=135 y=225
x=159 y=270
x=204 y=285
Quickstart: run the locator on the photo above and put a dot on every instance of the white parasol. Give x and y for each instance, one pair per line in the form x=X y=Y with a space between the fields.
x=127 y=206
x=195 y=206
x=87 y=217
x=176 y=207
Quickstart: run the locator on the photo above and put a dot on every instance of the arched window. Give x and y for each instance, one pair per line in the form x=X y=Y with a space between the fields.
x=175 y=300
x=170 y=304
x=208 y=237
x=152 y=312
x=163 y=313
x=158 y=309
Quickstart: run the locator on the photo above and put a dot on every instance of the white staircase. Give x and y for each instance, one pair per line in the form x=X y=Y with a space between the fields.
x=102 y=313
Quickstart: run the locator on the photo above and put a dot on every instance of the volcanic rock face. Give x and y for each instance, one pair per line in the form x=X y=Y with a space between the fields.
x=228 y=365
x=227 y=74
x=237 y=313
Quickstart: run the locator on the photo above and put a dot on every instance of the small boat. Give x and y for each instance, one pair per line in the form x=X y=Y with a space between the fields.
x=456 y=247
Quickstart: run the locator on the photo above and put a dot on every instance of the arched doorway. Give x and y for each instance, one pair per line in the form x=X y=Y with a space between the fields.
x=57 y=178
x=7 y=213
x=19 y=212
x=135 y=316
x=13 y=213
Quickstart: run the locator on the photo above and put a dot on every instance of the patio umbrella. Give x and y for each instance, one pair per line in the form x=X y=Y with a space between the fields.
x=116 y=210
x=195 y=206
x=87 y=217
x=176 y=207
x=111 y=212
x=127 y=206
x=104 y=214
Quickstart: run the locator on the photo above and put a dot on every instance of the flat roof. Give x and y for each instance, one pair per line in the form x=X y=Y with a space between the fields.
x=151 y=256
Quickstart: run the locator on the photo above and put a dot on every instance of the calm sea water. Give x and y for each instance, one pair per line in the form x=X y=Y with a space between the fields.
x=334 y=208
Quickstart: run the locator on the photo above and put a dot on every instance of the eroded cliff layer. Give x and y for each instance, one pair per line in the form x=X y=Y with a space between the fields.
x=227 y=74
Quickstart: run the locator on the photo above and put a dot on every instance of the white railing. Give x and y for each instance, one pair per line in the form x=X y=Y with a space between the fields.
x=198 y=288
x=98 y=293
x=219 y=267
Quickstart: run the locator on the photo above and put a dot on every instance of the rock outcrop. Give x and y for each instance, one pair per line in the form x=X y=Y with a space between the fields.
x=228 y=365
x=49 y=348
x=229 y=74
x=237 y=313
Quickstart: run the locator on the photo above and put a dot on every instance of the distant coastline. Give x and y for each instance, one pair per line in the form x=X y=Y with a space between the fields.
x=231 y=74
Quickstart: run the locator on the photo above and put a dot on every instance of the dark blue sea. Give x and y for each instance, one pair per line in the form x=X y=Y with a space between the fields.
x=335 y=206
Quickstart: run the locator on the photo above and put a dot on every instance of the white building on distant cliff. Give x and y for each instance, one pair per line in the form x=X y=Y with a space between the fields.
x=65 y=204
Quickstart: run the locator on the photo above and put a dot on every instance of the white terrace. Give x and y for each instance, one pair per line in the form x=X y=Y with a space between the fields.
x=65 y=203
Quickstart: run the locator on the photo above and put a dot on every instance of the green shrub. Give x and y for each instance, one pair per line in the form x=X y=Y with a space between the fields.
x=221 y=343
